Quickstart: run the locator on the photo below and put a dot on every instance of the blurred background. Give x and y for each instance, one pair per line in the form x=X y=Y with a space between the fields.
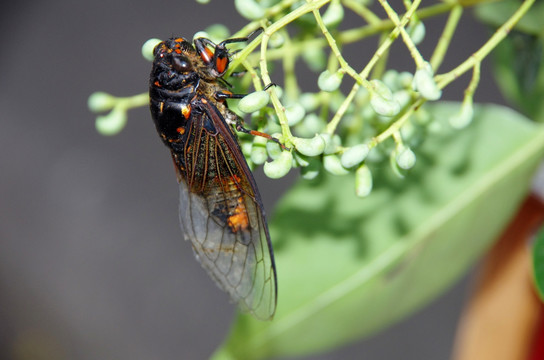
x=92 y=261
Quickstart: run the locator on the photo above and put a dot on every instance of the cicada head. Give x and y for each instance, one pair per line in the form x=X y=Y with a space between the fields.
x=175 y=66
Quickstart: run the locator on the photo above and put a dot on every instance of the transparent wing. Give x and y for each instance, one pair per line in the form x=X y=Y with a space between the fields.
x=221 y=213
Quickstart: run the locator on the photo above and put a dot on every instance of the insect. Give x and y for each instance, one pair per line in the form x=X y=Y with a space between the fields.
x=220 y=211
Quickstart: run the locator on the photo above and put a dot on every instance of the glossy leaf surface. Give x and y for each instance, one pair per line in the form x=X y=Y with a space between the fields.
x=348 y=267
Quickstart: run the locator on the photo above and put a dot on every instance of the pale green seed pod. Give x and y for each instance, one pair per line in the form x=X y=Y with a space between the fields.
x=148 y=47
x=273 y=149
x=405 y=80
x=309 y=101
x=310 y=147
x=391 y=79
x=402 y=97
x=311 y=171
x=217 y=32
x=315 y=58
x=424 y=83
x=382 y=100
x=112 y=123
x=294 y=113
x=101 y=101
x=246 y=148
x=363 y=181
x=416 y=30
x=202 y=34
x=249 y=9
x=354 y=155
x=405 y=158
x=276 y=40
x=300 y=160
x=332 y=164
x=334 y=14
x=279 y=167
x=329 y=82
x=253 y=102
x=332 y=143
x=312 y=124
x=464 y=117
x=203 y=1
x=259 y=153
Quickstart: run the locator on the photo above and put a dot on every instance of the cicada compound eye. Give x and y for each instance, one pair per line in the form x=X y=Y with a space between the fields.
x=181 y=65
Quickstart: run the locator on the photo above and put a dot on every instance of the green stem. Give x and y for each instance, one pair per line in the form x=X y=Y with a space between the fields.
x=445 y=38
x=478 y=56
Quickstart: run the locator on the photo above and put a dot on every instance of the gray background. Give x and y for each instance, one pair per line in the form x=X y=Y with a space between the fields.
x=92 y=265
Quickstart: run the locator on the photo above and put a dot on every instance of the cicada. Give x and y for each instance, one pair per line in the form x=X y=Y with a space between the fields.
x=220 y=209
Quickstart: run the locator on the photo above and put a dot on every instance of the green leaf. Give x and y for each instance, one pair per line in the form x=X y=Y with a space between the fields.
x=538 y=263
x=519 y=69
x=497 y=13
x=348 y=267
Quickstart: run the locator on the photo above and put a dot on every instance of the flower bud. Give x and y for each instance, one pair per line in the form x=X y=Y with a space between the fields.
x=332 y=164
x=329 y=82
x=354 y=155
x=279 y=167
x=254 y=101
x=101 y=101
x=405 y=158
x=273 y=149
x=310 y=147
x=334 y=14
x=311 y=171
x=148 y=47
x=249 y=9
x=382 y=100
x=363 y=181
x=424 y=83
x=294 y=114
x=258 y=150
x=464 y=117
x=416 y=30
x=112 y=123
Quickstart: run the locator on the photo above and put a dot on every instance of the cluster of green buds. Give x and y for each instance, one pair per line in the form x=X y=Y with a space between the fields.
x=314 y=148
x=327 y=130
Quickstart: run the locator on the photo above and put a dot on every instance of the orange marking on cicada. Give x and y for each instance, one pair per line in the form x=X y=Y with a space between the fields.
x=180 y=130
x=239 y=220
x=221 y=64
x=206 y=55
x=186 y=111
